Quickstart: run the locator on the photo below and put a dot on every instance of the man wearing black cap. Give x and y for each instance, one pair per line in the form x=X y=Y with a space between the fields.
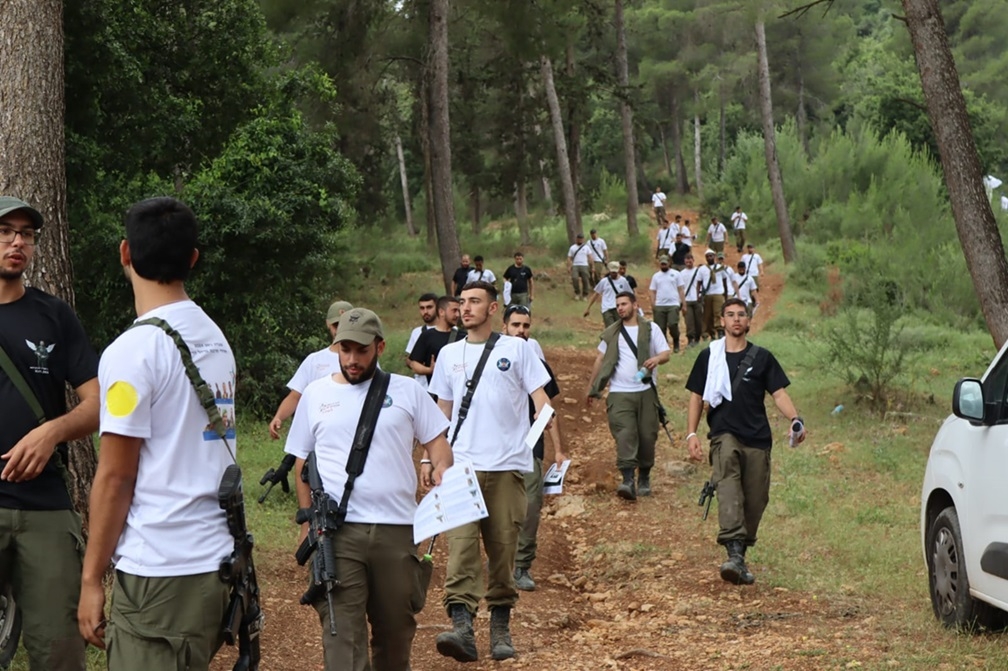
x=577 y=265
x=40 y=534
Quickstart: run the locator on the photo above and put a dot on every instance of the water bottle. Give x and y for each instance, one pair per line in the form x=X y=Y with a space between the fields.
x=837 y=410
x=641 y=374
x=797 y=427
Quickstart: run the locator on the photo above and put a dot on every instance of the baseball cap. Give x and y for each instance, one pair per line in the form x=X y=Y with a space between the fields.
x=613 y=267
x=10 y=203
x=709 y=252
x=663 y=259
x=335 y=310
x=720 y=255
x=360 y=325
x=579 y=235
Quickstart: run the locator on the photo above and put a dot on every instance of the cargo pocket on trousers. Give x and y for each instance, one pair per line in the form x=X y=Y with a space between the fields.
x=420 y=572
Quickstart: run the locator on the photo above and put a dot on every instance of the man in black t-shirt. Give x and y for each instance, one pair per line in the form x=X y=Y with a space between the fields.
x=461 y=276
x=733 y=375
x=424 y=354
x=629 y=278
x=40 y=534
x=520 y=277
x=681 y=249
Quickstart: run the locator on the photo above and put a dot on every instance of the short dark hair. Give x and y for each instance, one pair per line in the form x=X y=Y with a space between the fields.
x=734 y=301
x=593 y=231
x=519 y=253
x=627 y=294
x=161 y=234
x=430 y=296
x=520 y=309
x=485 y=286
x=740 y=264
x=442 y=303
x=622 y=262
x=478 y=257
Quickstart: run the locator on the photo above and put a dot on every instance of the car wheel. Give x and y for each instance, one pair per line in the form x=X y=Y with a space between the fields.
x=948 y=580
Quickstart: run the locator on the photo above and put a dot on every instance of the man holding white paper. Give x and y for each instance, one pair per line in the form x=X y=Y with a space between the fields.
x=490 y=435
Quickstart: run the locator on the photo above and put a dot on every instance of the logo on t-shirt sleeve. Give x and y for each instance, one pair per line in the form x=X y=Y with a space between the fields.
x=503 y=365
x=121 y=399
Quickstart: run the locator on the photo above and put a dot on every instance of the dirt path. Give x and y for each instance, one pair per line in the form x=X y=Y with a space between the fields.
x=621 y=586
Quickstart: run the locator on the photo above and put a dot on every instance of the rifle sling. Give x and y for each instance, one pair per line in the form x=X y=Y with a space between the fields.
x=471 y=384
x=18 y=380
x=373 y=403
x=747 y=362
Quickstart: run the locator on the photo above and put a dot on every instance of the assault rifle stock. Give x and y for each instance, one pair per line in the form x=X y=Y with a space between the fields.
x=243 y=620
x=322 y=526
x=277 y=476
x=706 y=496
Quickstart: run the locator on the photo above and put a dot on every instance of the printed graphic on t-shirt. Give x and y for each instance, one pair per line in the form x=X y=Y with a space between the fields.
x=224 y=394
x=42 y=352
x=503 y=364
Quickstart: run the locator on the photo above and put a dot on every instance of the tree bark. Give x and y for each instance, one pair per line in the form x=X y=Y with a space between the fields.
x=975 y=223
x=664 y=148
x=425 y=149
x=574 y=139
x=407 y=205
x=474 y=207
x=440 y=143
x=801 y=116
x=626 y=115
x=682 y=180
x=721 y=137
x=521 y=212
x=32 y=166
x=770 y=147
x=560 y=140
x=697 y=171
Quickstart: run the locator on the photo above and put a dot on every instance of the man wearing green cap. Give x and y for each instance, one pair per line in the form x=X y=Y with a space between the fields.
x=376 y=562
x=40 y=534
x=317 y=364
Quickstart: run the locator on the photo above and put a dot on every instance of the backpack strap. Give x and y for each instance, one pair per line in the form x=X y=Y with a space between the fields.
x=19 y=382
x=373 y=402
x=747 y=362
x=471 y=384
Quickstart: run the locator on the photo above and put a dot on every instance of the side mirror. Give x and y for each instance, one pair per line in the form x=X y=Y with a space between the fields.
x=968 y=400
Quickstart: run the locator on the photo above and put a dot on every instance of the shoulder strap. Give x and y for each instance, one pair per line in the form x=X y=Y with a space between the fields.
x=453 y=335
x=749 y=265
x=692 y=281
x=747 y=362
x=471 y=384
x=594 y=249
x=373 y=403
x=613 y=284
x=17 y=379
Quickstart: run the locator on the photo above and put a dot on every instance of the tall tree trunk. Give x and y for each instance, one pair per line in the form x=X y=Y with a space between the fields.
x=626 y=115
x=574 y=139
x=32 y=165
x=978 y=233
x=425 y=149
x=682 y=180
x=697 y=153
x=664 y=148
x=721 y=136
x=521 y=212
x=404 y=180
x=440 y=143
x=560 y=140
x=474 y=208
x=770 y=147
x=544 y=183
x=801 y=116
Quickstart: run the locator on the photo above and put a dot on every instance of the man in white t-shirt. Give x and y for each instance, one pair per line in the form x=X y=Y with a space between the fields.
x=376 y=561
x=606 y=289
x=716 y=235
x=492 y=438
x=666 y=239
x=154 y=507
x=658 y=201
x=692 y=283
x=628 y=354
x=715 y=288
x=481 y=274
x=739 y=220
x=753 y=263
x=315 y=365
x=667 y=299
x=579 y=267
x=427 y=303
x=747 y=289
x=687 y=234
x=598 y=255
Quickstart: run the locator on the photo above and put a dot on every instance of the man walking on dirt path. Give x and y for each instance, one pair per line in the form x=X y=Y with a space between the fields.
x=753 y=263
x=481 y=274
x=518 y=324
x=667 y=299
x=315 y=365
x=578 y=267
x=732 y=376
x=461 y=276
x=717 y=233
x=747 y=289
x=428 y=314
x=492 y=437
x=430 y=343
x=607 y=289
x=679 y=252
x=739 y=220
x=693 y=295
x=598 y=254
x=522 y=282
x=715 y=288
x=628 y=354
x=658 y=201
x=375 y=562
x=666 y=239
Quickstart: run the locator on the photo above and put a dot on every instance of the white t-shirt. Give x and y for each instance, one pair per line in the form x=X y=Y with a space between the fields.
x=666 y=238
x=175 y=526
x=537 y=348
x=738 y=220
x=484 y=275
x=317 y=364
x=717 y=232
x=598 y=249
x=747 y=285
x=624 y=377
x=687 y=236
x=605 y=288
x=753 y=262
x=658 y=199
x=698 y=275
x=717 y=278
x=493 y=434
x=326 y=422
x=413 y=337
x=666 y=285
x=732 y=278
x=578 y=254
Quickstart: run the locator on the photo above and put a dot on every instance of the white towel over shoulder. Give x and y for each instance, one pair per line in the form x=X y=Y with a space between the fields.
x=718 y=385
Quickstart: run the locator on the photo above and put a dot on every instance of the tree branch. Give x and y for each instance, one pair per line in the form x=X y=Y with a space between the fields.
x=799 y=12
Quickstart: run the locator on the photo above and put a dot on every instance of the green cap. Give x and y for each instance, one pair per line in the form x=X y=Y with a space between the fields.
x=359 y=325
x=663 y=259
x=9 y=203
x=335 y=310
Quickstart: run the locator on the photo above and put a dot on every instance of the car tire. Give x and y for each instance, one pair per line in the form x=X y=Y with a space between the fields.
x=948 y=580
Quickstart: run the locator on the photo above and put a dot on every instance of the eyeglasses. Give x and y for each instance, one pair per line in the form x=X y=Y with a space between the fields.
x=28 y=235
x=520 y=309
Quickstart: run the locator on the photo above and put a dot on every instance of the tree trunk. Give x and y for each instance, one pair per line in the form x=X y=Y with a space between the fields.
x=521 y=212
x=626 y=115
x=32 y=166
x=574 y=140
x=474 y=208
x=440 y=143
x=425 y=149
x=801 y=116
x=770 y=147
x=978 y=233
x=721 y=137
x=664 y=148
x=407 y=205
x=682 y=180
x=560 y=140
x=544 y=183
x=697 y=172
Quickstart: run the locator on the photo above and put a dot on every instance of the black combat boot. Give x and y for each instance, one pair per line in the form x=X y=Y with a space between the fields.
x=627 y=490
x=500 y=633
x=644 y=482
x=735 y=570
x=460 y=642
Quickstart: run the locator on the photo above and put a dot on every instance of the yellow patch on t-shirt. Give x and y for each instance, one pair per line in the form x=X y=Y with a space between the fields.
x=121 y=399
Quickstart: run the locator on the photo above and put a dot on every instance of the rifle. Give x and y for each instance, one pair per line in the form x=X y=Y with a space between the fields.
x=706 y=496
x=243 y=619
x=323 y=524
x=277 y=476
x=663 y=417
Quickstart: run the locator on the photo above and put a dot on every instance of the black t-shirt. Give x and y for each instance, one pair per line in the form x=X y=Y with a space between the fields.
x=745 y=415
x=552 y=390
x=680 y=252
x=45 y=340
x=429 y=345
x=631 y=281
x=519 y=278
x=460 y=278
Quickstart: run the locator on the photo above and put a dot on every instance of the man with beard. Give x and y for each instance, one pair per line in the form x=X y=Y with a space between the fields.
x=428 y=313
x=461 y=276
x=492 y=439
x=429 y=344
x=375 y=555
x=40 y=534
x=606 y=290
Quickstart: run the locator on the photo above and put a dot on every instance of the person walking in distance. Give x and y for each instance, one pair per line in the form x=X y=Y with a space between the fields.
x=747 y=289
x=666 y=239
x=578 y=267
x=715 y=288
x=629 y=353
x=753 y=263
x=461 y=275
x=598 y=254
x=428 y=314
x=667 y=300
x=491 y=437
x=518 y=324
x=687 y=234
x=376 y=557
x=481 y=274
x=732 y=376
x=739 y=220
x=429 y=344
x=679 y=253
x=693 y=308
x=607 y=289
x=716 y=235
x=522 y=281
x=658 y=202
x=40 y=534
